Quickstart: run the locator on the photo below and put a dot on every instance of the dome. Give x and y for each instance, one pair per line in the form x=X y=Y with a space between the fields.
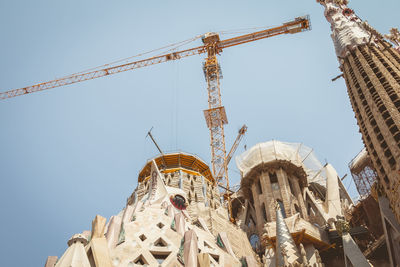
x=295 y=154
x=175 y=161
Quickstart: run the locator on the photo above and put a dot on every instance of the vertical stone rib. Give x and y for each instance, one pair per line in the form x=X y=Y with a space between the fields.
x=373 y=105
x=267 y=192
x=381 y=99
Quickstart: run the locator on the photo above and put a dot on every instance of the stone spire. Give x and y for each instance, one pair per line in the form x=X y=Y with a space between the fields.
x=332 y=201
x=371 y=70
x=394 y=37
x=347 y=30
x=286 y=249
x=75 y=255
x=157 y=187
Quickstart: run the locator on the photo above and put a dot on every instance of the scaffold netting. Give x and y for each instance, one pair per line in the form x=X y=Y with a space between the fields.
x=296 y=153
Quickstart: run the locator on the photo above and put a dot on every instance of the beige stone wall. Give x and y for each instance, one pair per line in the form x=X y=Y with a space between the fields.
x=193 y=185
x=150 y=236
x=265 y=194
x=372 y=76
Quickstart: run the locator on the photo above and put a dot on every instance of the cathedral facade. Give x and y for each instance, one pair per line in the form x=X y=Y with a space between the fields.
x=290 y=210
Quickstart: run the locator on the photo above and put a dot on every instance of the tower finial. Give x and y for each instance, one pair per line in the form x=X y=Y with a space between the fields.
x=285 y=246
x=347 y=31
x=394 y=36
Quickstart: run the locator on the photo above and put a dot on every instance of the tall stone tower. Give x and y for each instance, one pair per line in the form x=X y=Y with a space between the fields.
x=371 y=69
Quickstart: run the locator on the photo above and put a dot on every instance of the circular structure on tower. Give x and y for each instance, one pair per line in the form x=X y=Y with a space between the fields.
x=293 y=157
x=178 y=161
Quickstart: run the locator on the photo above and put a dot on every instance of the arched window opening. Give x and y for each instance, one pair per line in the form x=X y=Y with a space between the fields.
x=195 y=197
x=297 y=208
x=291 y=186
x=274 y=181
x=264 y=212
x=258 y=185
x=191 y=185
x=282 y=208
x=273 y=178
x=190 y=197
x=254 y=241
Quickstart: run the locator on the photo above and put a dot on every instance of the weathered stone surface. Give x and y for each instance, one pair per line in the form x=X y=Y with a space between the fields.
x=203 y=260
x=227 y=244
x=251 y=262
x=75 y=255
x=180 y=223
x=170 y=211
x=371 y=69
x=128 y=212
x=51 y=261
x=87 y=234
x=353 y=253
x=190 y=248
x=149 y=239
x=113 y=231
x=98 y=226
x=99 y=249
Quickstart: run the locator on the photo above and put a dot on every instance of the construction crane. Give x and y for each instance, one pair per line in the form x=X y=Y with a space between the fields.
x=228 y=158
x=215 y=114
x=235 y=145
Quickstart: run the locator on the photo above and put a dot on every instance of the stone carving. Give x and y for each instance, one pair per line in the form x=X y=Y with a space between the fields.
x=318 y=257
x=347 y=31
x=342 y=226
x=98 y=226
x=190 y=248
x=75 y=255
x=303 y=254
x=394 y=36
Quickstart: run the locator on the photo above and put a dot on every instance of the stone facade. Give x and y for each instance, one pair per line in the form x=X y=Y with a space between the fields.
x=375 y=96
x=289 y=205
x=371 y=69
x=173 y=218
x=197 y=188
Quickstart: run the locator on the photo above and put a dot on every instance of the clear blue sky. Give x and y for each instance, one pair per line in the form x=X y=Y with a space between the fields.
x=70 y=153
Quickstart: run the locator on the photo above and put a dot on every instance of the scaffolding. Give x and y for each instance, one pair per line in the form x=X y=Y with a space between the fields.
x=364 y=174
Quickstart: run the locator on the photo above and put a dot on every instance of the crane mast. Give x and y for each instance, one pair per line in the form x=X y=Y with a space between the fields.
x=215 y=115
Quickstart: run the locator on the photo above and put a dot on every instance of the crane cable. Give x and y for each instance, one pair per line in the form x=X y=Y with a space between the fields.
x=174 y=46
x=242 y=30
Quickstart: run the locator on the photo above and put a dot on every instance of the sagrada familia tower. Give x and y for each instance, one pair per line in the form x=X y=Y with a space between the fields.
x=290 y=210
x=371 y=69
